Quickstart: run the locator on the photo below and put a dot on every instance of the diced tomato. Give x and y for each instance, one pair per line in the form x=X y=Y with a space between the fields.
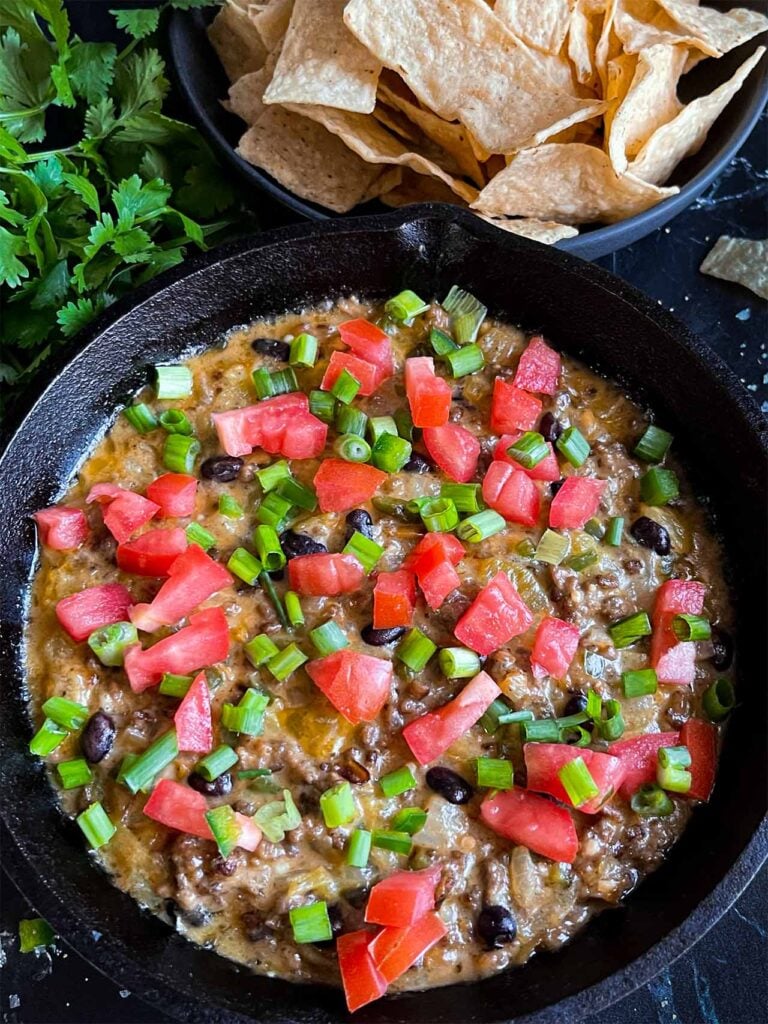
x=701 y=739
x=152 y=553
x=639 y=755
x=554 y=647
x=438 y=583
x=304 y=439
x=325 y=575
x=429 y=396
x=402 y=898
x=454 y=449
x=423 y=557
x=543 y=761
x=370 y=343
x=368 y=374
x=548 y=469
x=394 y=950
x=675 y=660
x=539 y=368
x=242 y=430
x=432 y=734
x=194 y=729
x=178 y=807
x=356 y=684
x=80 y=614
x=124 y=512
x=394 y=597
x=192 y=579
x=496 y=615
x=203 y=642
x=361 y=979
x=575 y=502
x=513 y=409
x=61 y=528
x=250 y=833
x=532 y=821
x=512 y=493
x=342 y=485
x=174 y=493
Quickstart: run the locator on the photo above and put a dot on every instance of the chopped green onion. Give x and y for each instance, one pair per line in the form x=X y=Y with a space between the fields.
x=415 y=650
x=397 y=782
x=467 y=314
x=149 y=764
x=404 y=422
x=691 y=627
x=568 y=721
x=254 y=773
x=494 y=773
x=352 y=448
x=526 y=548
x=378 y=425
x=175 y=686
x=229 y=507
x=409 y=820
x=269 y=589
x=674 y=757
x=581 y=562
x=365 y=550
x=439 y=515
x=278 y=817
x=442 y=343
x=34 y=933
x=465 y=360
x=650 y=801
x=328 y=638
x=286 y=662
x=267 y=545
x=594 y=704
x=405 y=306
x=350 y=420
x=141 y=417
x=225 y=828
x=594 y=528
x=303 y=350
x=415 y=505
x=515 y=717
x=529 y=449
x=273 y=510
x=719 y=700
x=271 y=476
x=575 y=736
x=311 y=923
x=216 y=763
x=260 y=649
x=180 y=452
x=67 y=713
x=574 y=446
x=293 y=608
x=397 y=842
x=173 y=381
x=345 y=387
x=109 y=643
x=552 y=548
x=653 y=445
x=323 y=405
x=578 y=782
x=629 y=630
x=359 y=848
x=197 y=534
x=672 y=771
x=614 y=531
x=489 y=721
x=545 y=731
x=96 y=826
x=175 y=421
x=611 y=724
x=466 y=497
x=659 y=486
x=338 y=805
x=458 y=662
x=247 y=717
x=278 y=382
x=640 y=682
x=390 y=452
x=396 y=507
x=74 y=773
x=297 y=493
x=245 y=566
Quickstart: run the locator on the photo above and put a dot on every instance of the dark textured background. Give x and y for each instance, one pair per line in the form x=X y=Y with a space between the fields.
x=723 y=979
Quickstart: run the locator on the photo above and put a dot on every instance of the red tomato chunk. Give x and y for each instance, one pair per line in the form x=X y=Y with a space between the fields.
x=194 y=728
x=429 y=396
x=362 y=980
x=174 y=493
x=701 y=739
x=394 y=950
x=357 y=685
x=496 y=615
x=369 y=342
x=543 y=761
x=640 y=755
x=192 y=579
x=513 y=409
x=152 y=553
x=554 y=648
x=394 y=598
x=203 y=642
x=432 y=734
x=178 y=807
x=341 y=485
x=539 y=368
x=325 y=575
x=512 y=493
x=532 y=821
x=81 y=614
x=368 y=374
x=675 y=660
x=124 y=512
x=454 y=449
x=422 y=558
x=548 y=469
x=61 y=528
x=282 y=425
x=402 y=898
x=575 y=502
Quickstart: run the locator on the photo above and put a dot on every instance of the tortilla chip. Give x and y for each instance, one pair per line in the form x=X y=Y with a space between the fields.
x=571 y=184
x=718 y=31
x=418 y=188
x=608 y=45
x=271 y=21
x=539 y=23
x=387 y=181
x=546 y=231
x=686 y=134
x=237 y=44
x=464 y=64
x=245 y=96
x=619 y=75
x=640 y=24
x=583 y=34
x=322 y=62
x=743 y=260
x=651 y=101
x=396 y=122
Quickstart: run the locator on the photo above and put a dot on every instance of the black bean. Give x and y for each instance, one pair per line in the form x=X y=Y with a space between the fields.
x=651 y=535
x=222 y=468
x=550 y=428
x=555 y=486
x=358 y=520
x=97 y=737
x=722 y=649
x=270 y=347
x=219 y=787
x=381 y=637
x=337 y=925
x=576 y=703
x=295 y=544
x=496 y=926
x=418 y=464
x=449 y=784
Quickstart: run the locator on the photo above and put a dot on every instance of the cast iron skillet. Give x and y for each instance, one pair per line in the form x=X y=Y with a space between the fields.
x=589 y=314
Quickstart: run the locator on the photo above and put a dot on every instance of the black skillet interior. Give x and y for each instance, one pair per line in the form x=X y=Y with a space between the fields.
x=587 y=313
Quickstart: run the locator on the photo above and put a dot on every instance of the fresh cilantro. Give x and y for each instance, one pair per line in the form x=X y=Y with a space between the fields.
x=139 y=23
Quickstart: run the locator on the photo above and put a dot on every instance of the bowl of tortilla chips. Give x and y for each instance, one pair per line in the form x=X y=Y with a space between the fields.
x=581 y=123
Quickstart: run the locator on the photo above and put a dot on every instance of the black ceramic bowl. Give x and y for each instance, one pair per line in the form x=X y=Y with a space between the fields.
x=586 y=312
x=201 y=79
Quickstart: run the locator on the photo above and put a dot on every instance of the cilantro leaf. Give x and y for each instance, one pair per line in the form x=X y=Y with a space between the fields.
x=204 y=193
x=135 y=200
x=140 y=83
x=140 y=23
x=134 y=245
x=52 y=289
x=75 y=315
x=12 y=270
x=92 y=69
x=100 y=118
x=85 y=189
x=24 y=85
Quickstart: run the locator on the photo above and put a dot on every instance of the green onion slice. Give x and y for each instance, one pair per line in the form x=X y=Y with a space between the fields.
x=467 y=314
x=338 y=805
x=273 y=510
x=197 y=534
x=180 y=452
x=297 y=493
x=544 y=731
x=627 y=631
x=96 y=826
x=415 y=650
x=578 y=782
x=323 y=405
x=494 y=773
x=465 y=360
x=365 y=550
x=350 y=420
x=328 y=638
x=552 y=548
x=148 y=765
x=175 y=421
x=650 y=801
x=611 y=724
x=409 y=820
x=286 y=662
x=345 y=387
x=141 y=417
x=175 y=686
x=466 y=497
x=594 y=528
x=216 y=763
x=225 y=828
x=653 y=445
x=278 y=817
x=719 y=700
x=458 y=662
x=397 y=782
x=173 y=381
x=66 y=713
x=378 y=425
x=260 y=649
x=397 y=842
x=267 y=545
x=404 y=422
x=574 y=446
x=490 y=720
x=614 y=531
x=659 y=486
x=311 y=923
x=691 y=627
x=481 y=526
x=110 y=643
x=245 y=566
x=352 y=448
x=441 y=342
x=529 y=449
x=303 y=350
x=270 y=476
x=390 y=452
x=359 y=848
x=74 y=773
x=293 y=608
x=230 y=508
x=439 y=515
x=405 y=306
x=640 y=682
